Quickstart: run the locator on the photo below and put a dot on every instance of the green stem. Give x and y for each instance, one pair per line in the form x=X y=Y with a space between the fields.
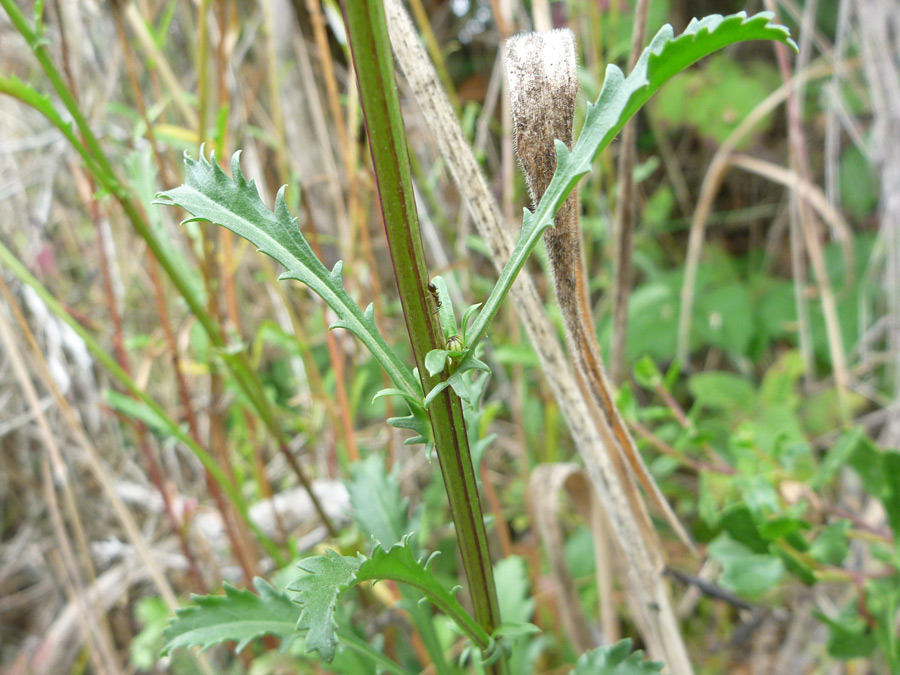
x=373 y=61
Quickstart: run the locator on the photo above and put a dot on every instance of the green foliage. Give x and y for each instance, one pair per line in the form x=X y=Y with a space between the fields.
x=209 y=194
x=744 y=571
x=620 y=98
x=378 y=508
x=154 y=615
x=327 y=576
x=239 y=616
x=859 y=194
x=717 y=97
x=617 y=659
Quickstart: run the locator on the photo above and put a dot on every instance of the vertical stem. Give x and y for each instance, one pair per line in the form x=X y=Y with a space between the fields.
x=626 y=212
x=373 y=61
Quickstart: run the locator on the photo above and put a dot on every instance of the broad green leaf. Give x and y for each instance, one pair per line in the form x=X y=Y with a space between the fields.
x=239 y=616
x=738 y=522
x=849 y=637
x=727 y=392
x=435 y=360
x=318 y=591
x=378 y=508
x=620 y=98
x=617 y=659
x=717 y=97
x=779 y=385
x=859 y=189
x=866 y=461
x=726 y=317
x=831 y=546
x=234 y=203
x=745 y=572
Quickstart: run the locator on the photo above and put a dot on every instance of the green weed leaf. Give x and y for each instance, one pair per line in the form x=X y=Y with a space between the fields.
x=832 y=545
x=318 y=591
x=620 y=98
x=378 y=508
x=516 y=605
x=398 y=564
x=234 y=203
x=330 y=575
x=239 y=615
x=617 y=659
x=744 y=571
x=849 y=637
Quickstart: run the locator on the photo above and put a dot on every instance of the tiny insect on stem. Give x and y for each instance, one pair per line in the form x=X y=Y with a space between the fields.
x=435 y=296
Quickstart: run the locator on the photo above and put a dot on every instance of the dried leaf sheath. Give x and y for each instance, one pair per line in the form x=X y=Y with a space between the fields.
x=542 y=81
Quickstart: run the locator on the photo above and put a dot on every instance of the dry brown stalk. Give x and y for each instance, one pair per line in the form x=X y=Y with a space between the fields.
x=542 y=89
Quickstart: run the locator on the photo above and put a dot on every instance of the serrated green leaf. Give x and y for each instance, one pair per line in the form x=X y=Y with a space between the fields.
x=617 y=659
x=239 y=615
x=318 y=591
x=619 y=99
x=234 y=203
x=417 y=422
x=398 y=564
x=378 y=508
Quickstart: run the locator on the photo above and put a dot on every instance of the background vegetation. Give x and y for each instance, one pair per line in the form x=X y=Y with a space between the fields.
x=758 y=370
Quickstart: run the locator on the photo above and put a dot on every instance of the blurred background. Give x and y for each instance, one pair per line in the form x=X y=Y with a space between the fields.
x=762 y=333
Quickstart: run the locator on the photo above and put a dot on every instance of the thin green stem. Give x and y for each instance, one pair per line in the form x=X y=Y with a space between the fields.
x=373 y=61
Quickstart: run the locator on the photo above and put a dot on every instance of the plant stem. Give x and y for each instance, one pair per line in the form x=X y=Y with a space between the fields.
x=372 y=58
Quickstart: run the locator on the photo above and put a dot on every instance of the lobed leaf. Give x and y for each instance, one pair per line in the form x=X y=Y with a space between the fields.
x=620 y=98
x=378 y=508
x=234 y=203
x=398 y=564
x=318 y=591
x=239 y=615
